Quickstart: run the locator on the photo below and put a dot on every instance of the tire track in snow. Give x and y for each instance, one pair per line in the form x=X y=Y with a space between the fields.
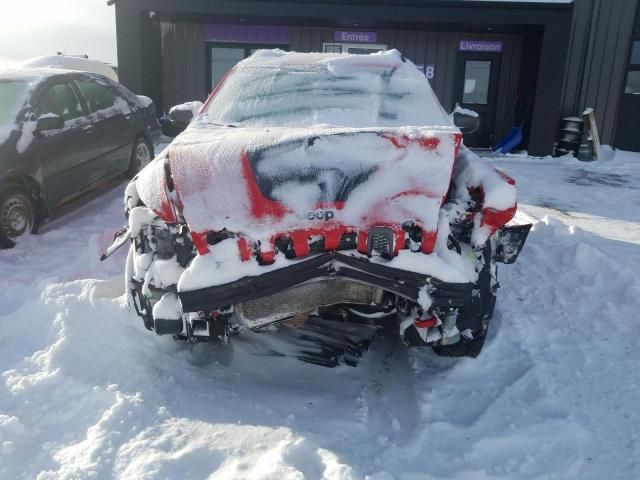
x=389 y=398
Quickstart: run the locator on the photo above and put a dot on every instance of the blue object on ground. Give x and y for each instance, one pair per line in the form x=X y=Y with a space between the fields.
x=511 y=141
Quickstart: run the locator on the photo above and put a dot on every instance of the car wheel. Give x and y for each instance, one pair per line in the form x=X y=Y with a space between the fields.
x=141 y=156
x=18 y=215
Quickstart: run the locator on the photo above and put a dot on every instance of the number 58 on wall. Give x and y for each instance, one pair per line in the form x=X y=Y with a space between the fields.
x=428 y=70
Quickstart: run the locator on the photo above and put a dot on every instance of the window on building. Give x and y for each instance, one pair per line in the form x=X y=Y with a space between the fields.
x=633 y=83
x=224 y=59
x=633 y=77
x=635 y=53
x=332 y=48
x=353 y=48
x=477 y=74
x=59 y=100
x=98 y=97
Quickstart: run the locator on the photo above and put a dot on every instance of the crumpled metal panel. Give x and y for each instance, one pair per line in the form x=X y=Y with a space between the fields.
x=306 y=297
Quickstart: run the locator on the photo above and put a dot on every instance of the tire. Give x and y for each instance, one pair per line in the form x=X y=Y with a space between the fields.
x=141 y=155
x=18 y=215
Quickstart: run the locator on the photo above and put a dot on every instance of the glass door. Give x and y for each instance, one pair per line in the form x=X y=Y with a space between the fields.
x=221 y=60
x=476 y=88
x=627 y=137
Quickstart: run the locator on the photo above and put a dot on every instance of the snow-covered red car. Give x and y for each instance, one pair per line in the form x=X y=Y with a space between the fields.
x=320 y=186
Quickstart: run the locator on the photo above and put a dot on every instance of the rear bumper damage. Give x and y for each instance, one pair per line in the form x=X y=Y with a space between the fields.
x=330 y=265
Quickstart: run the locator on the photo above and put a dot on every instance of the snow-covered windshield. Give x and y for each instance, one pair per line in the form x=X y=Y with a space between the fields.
x=275 y=88
x=11 y=99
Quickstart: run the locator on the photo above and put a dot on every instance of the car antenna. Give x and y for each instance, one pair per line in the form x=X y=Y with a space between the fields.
x=63 y=53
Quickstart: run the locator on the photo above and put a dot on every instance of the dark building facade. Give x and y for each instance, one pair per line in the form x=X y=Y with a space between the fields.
x=532 y=61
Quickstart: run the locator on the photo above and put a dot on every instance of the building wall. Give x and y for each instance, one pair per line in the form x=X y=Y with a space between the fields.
x=184 y=61
x=596 y=65
x=553 y=20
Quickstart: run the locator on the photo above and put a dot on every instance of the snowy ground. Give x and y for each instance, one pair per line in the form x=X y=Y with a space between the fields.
x=86 y=392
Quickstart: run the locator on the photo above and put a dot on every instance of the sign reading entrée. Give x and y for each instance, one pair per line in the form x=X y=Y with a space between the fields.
x=480 y=46
x=356 y=37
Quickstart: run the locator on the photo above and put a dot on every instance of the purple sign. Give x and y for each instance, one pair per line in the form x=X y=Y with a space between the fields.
x=355 y=37
x=480 y=46
x=246 y=33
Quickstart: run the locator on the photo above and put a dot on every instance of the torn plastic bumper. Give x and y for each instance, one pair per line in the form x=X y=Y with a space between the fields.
x=509 y=242
x=330 y=265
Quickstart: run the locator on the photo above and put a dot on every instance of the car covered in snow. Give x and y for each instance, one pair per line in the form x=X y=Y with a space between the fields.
x=61 y=133
x=320 y=186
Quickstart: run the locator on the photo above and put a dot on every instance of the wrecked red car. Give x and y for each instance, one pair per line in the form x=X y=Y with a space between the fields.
x=320 y=188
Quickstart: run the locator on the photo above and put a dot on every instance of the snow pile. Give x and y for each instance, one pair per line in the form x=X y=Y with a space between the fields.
x=601 y=197
x=87 y=392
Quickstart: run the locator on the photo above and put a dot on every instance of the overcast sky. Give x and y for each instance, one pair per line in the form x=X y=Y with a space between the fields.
x=30 y=28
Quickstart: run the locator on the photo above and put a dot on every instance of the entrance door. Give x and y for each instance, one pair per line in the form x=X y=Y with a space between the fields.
x=627 y=137
x=221 y=60
x=476 y=88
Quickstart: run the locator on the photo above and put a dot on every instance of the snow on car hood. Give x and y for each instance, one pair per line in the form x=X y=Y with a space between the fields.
x=259 y=182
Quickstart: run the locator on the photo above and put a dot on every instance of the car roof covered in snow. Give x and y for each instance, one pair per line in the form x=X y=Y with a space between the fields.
x=32 y=75
x=68 y=62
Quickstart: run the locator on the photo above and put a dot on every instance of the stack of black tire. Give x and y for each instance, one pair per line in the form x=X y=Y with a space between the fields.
x=570 y=136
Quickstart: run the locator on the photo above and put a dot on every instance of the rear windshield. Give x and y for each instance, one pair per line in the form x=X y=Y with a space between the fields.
x=12 y=96
x=305 y=95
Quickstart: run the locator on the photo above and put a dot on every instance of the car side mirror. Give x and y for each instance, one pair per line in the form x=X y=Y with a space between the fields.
x=182 y=115
x=466 y=122
x=180 y=118
x=49 y=121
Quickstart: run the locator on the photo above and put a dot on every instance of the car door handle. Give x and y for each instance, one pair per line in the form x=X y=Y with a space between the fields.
x=88 y=129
